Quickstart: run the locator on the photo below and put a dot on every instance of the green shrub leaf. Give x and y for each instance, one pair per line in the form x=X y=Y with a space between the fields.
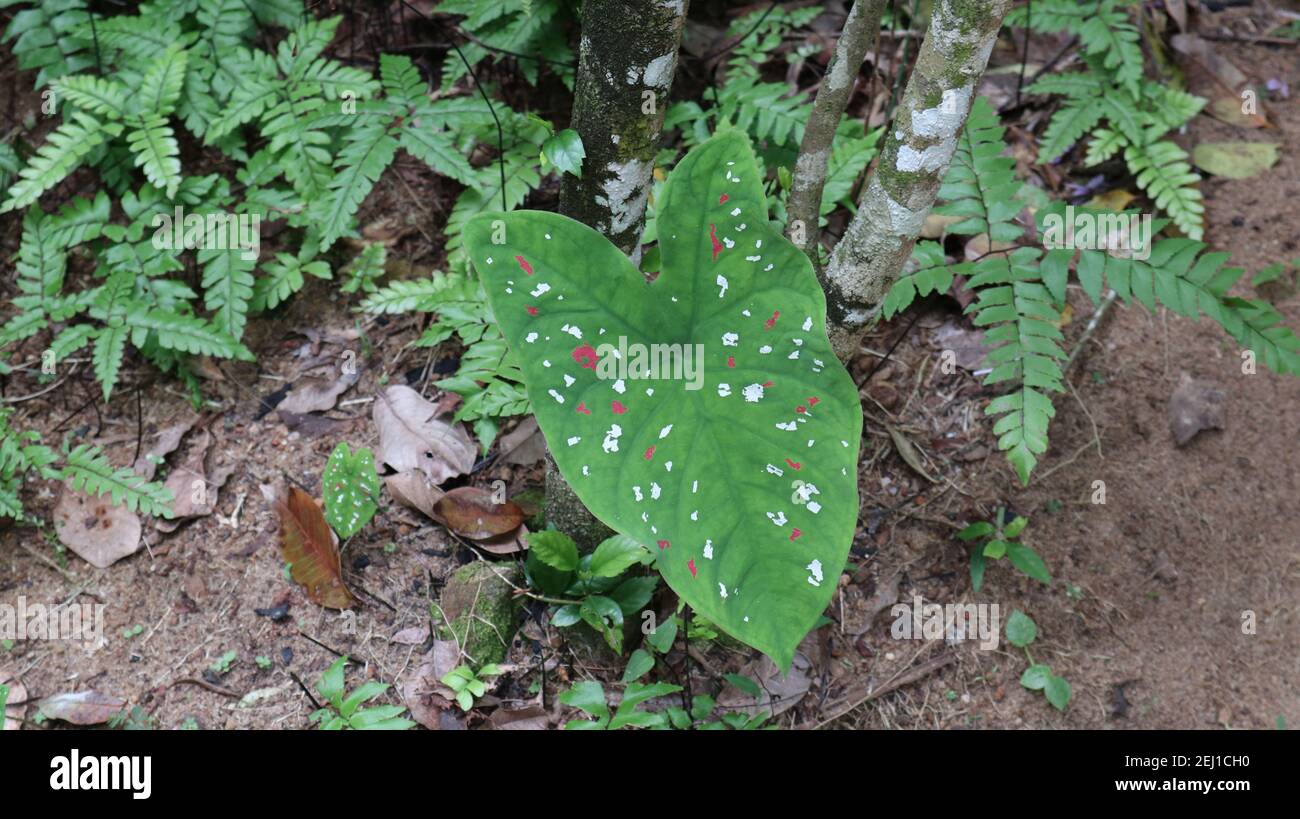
x=740 y=466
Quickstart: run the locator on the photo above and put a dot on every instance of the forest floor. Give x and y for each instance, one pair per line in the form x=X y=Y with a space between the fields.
x=1144 y=617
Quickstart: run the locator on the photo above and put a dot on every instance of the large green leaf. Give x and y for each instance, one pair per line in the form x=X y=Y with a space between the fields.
x=745 y=478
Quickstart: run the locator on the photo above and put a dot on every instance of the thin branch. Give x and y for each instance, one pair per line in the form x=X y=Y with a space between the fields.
x=857 y=37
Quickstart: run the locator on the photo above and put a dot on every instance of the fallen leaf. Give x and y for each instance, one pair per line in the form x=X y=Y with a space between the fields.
x=308 y=545
x=96 y=530
x=968 y=345
x=469 y=511
x=523 y=445
x=1194 y=406
x=413 y=636
x=423 y=691
x=506 y=544
x=1235 y=160
x=412 y=488
x=82 y=707
x=780 y=692
x=528 y=718
x=908 y=452
x=195 y=484
x=15 y=703
x=316 y=394
x=164 y=443
x=411 y=436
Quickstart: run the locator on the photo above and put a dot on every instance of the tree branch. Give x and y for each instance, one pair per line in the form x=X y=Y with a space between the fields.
x=915 y=157
x=804 y=204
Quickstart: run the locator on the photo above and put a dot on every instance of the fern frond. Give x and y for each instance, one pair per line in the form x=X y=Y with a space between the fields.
x=185 y=334
x=163 y=81
x=227 y=287
x=368 y=152
x=981 y=184
x=1067 y=126
x=110 y=348
x=1162 y=170
x=436 y=149
x=87 y=470
x=47 y=39
x=62 y=152
x=94 y=95
x=367 y=268
x=283 y=279
x=80 y=220
x=425 y=295
x=156 y=152
x=1109 y=35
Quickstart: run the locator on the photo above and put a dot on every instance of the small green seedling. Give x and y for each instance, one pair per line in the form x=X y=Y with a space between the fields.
x=344 y=710
x=590 y=589
x=263 y=662
x=589 y=697
x=468 y=684
x=223 y=663
x=999 y=540
x=133 y=631
x=4 y=699
x=1021 y=631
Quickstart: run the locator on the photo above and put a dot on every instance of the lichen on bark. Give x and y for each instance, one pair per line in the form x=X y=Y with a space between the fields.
x=627 y=57
x=917 y=151
x=804 y=205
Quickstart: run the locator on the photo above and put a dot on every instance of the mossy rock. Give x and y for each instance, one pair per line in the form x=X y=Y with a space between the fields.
x=478 y=603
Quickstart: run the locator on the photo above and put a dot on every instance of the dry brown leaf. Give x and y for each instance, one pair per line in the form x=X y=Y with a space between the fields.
x=413 y=636
x=164 y=443
x=524 y=445
x=195 y=484
x=412 y=437
x=316 y=394
x=307 y=543
x=87 y=707
x=412 y=488
x=96 y=530
x=469 y=511
x=431 y=702
x=528 y=718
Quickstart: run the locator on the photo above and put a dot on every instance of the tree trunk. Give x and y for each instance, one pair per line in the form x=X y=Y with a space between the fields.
x=804 y=205
x=626 y=60
x=916 y=154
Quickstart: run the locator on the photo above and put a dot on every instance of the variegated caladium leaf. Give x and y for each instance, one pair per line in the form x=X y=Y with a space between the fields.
x=703 y=413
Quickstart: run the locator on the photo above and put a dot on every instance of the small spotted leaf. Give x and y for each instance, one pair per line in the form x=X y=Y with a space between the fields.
x=730 y=446
x=350 y=485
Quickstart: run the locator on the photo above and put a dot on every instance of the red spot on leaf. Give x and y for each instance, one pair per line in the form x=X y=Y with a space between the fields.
x=618 y=408
x=532 y=311
x=585 y=355
x=663 y=544
x=794 y=464
x=649 y=453
x=690 y=564
x=527 y=268
x=795 y=534
x=814 y=401
x=767 y=384
x=722 y=200
x=582 y=408
x=713 y=237
x=801 y=408
x=770 y=323
x=731 y=361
